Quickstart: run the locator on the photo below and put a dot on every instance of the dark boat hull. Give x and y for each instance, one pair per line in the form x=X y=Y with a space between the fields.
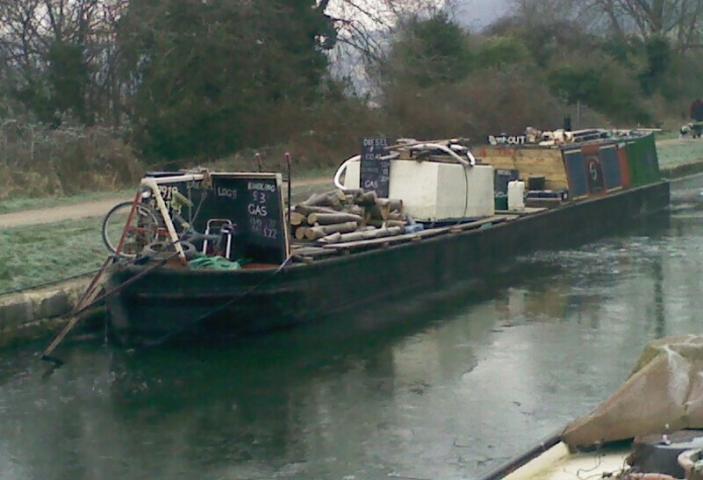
x=169 y=302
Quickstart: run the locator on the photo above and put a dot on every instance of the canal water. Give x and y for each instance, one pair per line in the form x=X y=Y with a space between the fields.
x=444 y=390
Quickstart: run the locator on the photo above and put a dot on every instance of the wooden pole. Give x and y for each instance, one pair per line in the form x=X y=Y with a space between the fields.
x=306 y=210
x=313 y=233
x=151 y=183
x=333 y=218
x=46 y=355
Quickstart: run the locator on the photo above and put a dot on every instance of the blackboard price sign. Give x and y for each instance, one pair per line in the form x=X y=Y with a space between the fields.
x=375 y=171
x=264 y=212
x=254 y=204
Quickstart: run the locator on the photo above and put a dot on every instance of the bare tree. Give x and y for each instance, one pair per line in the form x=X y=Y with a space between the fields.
x=365 y=28
x=29 y=29
x=679 y=20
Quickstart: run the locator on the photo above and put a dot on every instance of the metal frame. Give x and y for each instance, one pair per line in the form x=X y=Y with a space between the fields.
x=153 y=185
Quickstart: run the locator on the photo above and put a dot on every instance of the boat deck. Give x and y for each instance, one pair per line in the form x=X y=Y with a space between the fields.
x=303 y=251
x=558 y=463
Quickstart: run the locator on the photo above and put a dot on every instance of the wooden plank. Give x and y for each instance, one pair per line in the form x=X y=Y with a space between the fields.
x=522 y=213
x=424 y=234
x=311 y=252
x=332 y=218
x=482 y=222
x=529 y=162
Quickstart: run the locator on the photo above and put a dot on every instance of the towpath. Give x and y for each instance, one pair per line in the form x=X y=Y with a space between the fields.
x=98 y=208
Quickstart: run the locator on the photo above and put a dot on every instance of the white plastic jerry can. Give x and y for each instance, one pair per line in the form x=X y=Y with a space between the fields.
x=516 y=195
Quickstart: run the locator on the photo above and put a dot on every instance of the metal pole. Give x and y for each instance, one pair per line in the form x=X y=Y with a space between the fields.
x=290 y=185
x=259 y=164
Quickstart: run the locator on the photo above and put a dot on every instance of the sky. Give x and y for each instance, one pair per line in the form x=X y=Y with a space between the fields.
x=476 y=14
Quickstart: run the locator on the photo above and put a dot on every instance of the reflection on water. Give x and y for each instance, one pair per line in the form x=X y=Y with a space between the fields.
x=445 y=390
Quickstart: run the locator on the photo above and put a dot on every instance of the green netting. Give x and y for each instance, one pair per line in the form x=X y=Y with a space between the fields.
x=213 y=263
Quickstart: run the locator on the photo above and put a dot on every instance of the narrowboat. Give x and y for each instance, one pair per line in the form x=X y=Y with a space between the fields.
x=651 y=428
x=411 y=218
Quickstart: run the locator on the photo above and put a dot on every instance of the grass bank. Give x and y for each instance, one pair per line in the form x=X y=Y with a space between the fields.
x=675 y=153
x=36 y=255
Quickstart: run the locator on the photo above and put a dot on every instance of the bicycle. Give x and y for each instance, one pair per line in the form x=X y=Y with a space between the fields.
x=131 y=229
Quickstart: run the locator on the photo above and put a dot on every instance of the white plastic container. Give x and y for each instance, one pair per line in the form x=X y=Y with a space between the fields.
x=516 y=196
x=433 y=191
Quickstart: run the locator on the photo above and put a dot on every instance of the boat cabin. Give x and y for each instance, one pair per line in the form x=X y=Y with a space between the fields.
x=588 y=165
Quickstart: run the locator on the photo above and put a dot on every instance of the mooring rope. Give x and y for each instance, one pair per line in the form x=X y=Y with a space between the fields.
x=48 y=283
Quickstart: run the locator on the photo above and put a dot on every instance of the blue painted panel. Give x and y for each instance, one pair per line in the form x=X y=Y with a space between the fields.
x=576 y=171
x=611 y=167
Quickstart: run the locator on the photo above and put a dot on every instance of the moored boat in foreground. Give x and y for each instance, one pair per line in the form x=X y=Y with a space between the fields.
x=407 y=219
x=650 y=429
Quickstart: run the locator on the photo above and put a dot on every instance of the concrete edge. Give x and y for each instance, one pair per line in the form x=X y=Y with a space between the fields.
x=34 y=314
x=683 y=170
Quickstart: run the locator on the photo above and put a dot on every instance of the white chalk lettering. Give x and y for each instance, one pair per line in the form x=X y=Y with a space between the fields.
x=507 y=140
x=258 y=210
x=265 y=187
x=227 y=192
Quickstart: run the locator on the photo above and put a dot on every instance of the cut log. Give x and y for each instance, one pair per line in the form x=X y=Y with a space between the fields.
x=308 y=209
x=366 y=235
x=300 y=233
x=354 y=210
x=331 y=199
x=297 y=219
x=339 y=237
x=315 y=233
x=390 y=203
x=377 y=213
x=332 y=218
x=366 y=199
x=383 y=207
x=386 y=223
x=395 y=223
x=334 y=238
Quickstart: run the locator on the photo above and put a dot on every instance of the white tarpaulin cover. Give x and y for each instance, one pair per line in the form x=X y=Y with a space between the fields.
x=663 y=394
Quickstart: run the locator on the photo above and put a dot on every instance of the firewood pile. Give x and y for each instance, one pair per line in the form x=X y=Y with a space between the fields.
x=338 y=217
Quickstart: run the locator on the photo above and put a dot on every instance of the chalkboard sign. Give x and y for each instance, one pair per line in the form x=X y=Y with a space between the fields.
x=254 y=204
x=375 y=171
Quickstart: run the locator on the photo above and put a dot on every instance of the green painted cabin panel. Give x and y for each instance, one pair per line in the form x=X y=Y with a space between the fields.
x=643 y=160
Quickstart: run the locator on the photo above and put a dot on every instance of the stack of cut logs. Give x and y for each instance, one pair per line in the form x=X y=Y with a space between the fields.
x=338 y=217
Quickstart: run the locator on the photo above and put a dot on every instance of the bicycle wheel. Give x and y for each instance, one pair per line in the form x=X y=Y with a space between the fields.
x=143 y=230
